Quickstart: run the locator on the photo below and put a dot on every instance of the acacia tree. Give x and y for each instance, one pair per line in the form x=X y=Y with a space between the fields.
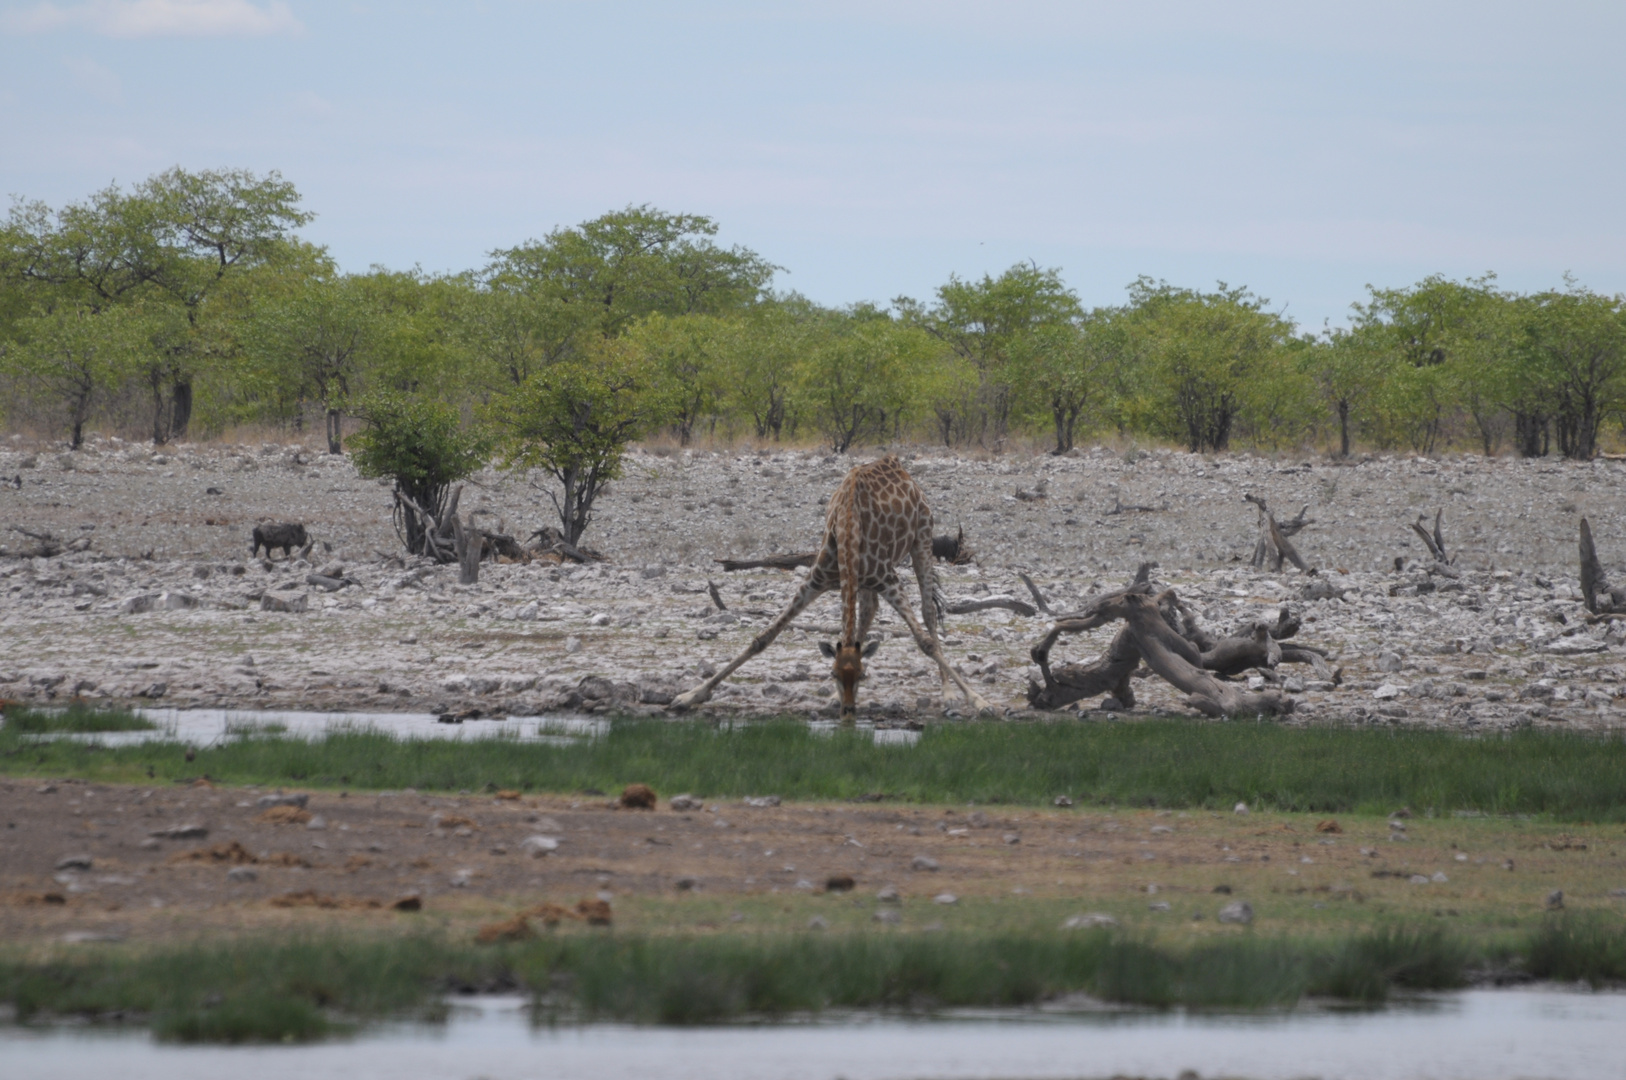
x=981 y=320
x=574 y=420
x=1574 y=346
x=606 y=274
x=858 y=381
x=316 y=343
x=1203 y=350
x=174 y=239
x=421 y=445
x=1347 y=369
x=1069 y=367
x=78 y=355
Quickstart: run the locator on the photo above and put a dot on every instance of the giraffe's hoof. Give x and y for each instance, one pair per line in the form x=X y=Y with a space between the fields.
x=685 y=702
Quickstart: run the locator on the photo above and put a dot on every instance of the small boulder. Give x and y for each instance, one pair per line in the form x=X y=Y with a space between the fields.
x=686 y=802
x=241 y=875
x=1237 y=911
x=1091 y=921
x=923 y=862
x=538 y=846
x=74 y=862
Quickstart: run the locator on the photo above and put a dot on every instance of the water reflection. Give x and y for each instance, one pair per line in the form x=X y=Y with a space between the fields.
x=1478 y=1035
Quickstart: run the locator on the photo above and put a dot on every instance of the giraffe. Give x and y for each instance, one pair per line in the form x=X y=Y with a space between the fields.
x=877 y=518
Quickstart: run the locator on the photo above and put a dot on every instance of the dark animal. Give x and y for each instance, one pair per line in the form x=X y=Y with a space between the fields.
x=950 y=548
x=285 y=536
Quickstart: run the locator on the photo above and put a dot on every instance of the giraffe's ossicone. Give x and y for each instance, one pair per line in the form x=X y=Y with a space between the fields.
x=878 y=518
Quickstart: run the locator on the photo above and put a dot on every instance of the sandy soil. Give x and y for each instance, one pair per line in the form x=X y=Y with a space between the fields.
x=1507 y=644
x=79 y=861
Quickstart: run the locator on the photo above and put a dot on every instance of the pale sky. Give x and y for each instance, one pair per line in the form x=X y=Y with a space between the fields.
x=872 y=149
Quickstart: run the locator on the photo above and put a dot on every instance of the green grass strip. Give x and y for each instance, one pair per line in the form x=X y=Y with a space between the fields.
x=1162 y=762
x=281 y=989
x=76 y=718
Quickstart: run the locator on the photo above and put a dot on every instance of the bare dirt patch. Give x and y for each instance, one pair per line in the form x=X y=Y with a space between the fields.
x=735 y=866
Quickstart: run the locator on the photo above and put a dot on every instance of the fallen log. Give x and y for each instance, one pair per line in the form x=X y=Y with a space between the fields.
x=951 y=549
x=1169 y=655
x=1110 y=674
x=772 y=562
x=1009 y=603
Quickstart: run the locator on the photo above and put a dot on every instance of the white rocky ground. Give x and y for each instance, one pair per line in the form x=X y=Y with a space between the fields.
x=1507 y=644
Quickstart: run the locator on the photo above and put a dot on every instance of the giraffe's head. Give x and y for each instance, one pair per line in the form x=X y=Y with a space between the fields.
x=849 y=668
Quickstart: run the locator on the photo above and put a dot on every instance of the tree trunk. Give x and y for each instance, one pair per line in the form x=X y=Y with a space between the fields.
x=335 y=431
x=160 y=429
x=1343 y=428
x=467 y=545
x=180 y=414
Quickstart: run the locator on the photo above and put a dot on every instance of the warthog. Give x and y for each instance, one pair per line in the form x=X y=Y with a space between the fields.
x=285 y=536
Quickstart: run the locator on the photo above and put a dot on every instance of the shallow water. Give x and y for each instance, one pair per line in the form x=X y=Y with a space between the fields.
x=203 y=727
x=1478 y=1035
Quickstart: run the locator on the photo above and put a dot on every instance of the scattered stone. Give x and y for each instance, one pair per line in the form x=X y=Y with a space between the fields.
x=945 y=898
x=818 y=922
x=292 y=605
x=241 y=875
x=1237 y=911
x=1091 y=921
x=923 y=862
x=1240 y=808
x=1555 y=900
x=1062 y=801
x=686 y=802
x=761 y=801
x=538 y=846
x=180 y=832
x=888 y=894
x=74 y=862
x=887 y=915
x=280 y=799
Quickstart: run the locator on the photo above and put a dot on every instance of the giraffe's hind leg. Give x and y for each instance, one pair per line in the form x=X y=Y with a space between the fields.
x=926 y=639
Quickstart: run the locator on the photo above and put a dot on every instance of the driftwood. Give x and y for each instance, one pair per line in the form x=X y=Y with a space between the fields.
x=550 y=541
x=950 y=549
x=1008 y=603
x=469 y=544
x=794 y=561
x=1601 y=599
x=1038 y=597
x=1435 y=544
x=1160 y=625
x=49 y=546
x=1119 y=507
x=1170 y=656
x=716 y=597
x=1273 y=545
x=428 y=528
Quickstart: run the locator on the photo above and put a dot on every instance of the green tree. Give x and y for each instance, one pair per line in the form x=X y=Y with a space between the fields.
x=79 y=355
x=1573 y=349
x=606 y=274
x=315 y=344
x=858 y=383
x=686 y=353
x=1348 y=370
x=1068 y=368
x=420 y=445
x=174 y=239
x=981 y=321
x=574 y=420
x=1203 y=352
